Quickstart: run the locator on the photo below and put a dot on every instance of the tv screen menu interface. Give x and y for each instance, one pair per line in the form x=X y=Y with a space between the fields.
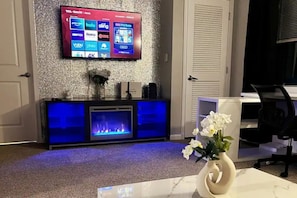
x=94 y=33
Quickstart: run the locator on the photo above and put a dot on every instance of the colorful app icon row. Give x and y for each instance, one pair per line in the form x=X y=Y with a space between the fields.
x=83 y=24
x=86 y=54
x=89 y=35
x=100 y=46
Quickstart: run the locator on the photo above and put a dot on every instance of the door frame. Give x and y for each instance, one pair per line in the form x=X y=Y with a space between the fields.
x=35 y=75
x=35 y=93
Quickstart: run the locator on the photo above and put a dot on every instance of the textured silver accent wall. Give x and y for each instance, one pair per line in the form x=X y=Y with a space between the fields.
x=56 y=75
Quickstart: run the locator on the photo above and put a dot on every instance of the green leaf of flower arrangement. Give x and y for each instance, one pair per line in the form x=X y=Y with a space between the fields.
x=228 y=138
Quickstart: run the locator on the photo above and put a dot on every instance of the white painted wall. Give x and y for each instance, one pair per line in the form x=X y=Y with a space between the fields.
x=241 y=8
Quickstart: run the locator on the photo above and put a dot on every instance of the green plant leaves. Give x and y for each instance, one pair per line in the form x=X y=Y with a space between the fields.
x=210 y=151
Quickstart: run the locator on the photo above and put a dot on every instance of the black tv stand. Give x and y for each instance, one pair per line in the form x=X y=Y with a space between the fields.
x=70 y=123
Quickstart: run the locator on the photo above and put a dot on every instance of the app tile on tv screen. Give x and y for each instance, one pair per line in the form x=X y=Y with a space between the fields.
x=77 y=35
x=91 y=35
x=91 y=46
x=103 y=36
x=77 y=45
x=104 y=55
x=77 y=23
x=78 y=54
x=103 y=46
x=91 y=25
x=103 y=25
x=92 y=54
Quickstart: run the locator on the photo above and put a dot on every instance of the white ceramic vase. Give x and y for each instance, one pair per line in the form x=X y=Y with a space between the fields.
x=203 y=176
x=216 y=177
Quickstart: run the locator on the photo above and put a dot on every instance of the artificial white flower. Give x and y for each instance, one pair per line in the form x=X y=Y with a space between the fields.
x=187 y=151
x=195 y=143
x=213 y=126
x=209 y=131
x=195 y=131
x=206 y=122
x=215 y=121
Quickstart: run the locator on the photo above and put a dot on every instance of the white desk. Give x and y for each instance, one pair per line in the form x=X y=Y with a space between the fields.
x=291 y=89
x=232 y=106
x=248 y=183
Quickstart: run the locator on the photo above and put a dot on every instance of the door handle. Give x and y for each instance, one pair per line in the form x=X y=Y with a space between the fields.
x=192 y=78
x=27 y=75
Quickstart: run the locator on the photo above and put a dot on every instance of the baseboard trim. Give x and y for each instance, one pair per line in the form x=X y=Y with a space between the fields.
x=21 y=142
x=176 y=137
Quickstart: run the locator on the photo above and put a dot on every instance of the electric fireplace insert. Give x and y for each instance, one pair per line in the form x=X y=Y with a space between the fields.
x=111 y=122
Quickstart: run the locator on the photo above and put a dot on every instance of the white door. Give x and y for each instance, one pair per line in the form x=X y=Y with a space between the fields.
x=17 y=107
x=206 y=46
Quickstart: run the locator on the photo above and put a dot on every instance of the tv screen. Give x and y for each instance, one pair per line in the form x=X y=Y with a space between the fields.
x=100 y=34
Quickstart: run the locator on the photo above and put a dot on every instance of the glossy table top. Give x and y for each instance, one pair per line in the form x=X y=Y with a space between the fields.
x=248 y=183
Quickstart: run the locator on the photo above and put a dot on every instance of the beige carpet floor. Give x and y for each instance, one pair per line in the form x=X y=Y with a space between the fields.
x=30 y=170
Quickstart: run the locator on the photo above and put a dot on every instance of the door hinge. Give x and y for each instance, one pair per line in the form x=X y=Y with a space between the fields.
x=229 y=16
x=227 y=70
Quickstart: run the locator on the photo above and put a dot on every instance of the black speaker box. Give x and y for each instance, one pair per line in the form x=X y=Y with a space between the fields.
x=152 y=90
x=145 y=91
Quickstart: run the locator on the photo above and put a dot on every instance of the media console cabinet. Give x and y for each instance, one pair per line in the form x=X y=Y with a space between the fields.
x=90 y=122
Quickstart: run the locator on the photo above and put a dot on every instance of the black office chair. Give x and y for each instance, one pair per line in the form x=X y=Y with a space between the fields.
x=277 y=117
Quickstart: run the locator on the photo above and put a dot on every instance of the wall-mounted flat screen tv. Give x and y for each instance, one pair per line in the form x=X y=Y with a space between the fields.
x=100 y=34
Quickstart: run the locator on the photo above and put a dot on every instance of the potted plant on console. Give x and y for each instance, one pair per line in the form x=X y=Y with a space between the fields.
x=99 y=78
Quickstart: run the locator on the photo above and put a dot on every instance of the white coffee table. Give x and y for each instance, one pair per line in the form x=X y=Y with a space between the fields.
x=249 y=183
